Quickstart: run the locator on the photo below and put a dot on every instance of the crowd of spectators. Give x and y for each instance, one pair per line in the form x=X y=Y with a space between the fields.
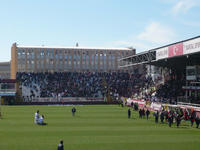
x=171 y=89
x=99 y=84
x=86 y=84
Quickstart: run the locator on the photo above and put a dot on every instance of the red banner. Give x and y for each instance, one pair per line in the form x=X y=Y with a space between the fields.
x=175 y=50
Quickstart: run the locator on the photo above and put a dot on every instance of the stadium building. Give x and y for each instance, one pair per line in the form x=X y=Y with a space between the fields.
x=66 y=59
x=178 y=65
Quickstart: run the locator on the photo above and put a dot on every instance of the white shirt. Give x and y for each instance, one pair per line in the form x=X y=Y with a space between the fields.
x=36 y=117
x=41 y=120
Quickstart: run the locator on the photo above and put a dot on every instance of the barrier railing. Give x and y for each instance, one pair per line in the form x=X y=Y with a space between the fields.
x=7 y=90
x=189 y=104
x=64 y=99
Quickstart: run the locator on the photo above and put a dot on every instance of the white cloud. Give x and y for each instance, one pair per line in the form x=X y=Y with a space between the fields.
x=157 y=33
x=183 y=6
x=154 y=35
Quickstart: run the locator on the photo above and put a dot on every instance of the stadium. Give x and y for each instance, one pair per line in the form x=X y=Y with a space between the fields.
x=122 y=100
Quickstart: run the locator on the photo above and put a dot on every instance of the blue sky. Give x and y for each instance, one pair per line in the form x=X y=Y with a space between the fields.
x=143 y=24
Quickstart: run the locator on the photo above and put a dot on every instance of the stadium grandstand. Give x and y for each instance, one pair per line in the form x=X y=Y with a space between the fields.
x=77 y=86
x=174 y=70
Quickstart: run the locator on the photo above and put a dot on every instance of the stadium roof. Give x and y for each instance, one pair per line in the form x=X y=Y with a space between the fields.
x=184 y=48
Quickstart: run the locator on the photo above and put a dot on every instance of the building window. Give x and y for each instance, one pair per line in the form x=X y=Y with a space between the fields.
x=42 y=53
x=33 y=54
x=19 y=53
x=51 y=53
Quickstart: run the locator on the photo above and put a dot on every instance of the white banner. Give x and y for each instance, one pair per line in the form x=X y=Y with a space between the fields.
x=191 y=46
x=156 y=106
x=162 y=53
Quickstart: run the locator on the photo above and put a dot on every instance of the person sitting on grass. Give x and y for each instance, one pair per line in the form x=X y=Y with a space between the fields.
x=36 y=117
x=41 y=120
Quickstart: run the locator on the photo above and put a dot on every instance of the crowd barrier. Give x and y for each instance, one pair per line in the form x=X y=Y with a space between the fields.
x=66 y=99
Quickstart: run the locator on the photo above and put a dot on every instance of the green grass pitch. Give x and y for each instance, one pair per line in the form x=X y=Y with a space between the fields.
x=98 y=127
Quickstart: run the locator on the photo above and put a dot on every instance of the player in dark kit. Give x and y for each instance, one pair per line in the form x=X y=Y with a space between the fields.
x=129 y=113
x=170 y=120
x=197 y=120
x=143 y=113
x=156 y=115
x=178 y=120
x=140 y=113
x=73 y=111
x=162 y=117
x=60 y=145
x=192 y=117
x=135 y=106
x=147 y=114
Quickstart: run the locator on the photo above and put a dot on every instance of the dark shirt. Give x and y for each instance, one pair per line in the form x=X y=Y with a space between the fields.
x=60 y=147
x=129 y=112
x=73 y=110
x=147 y=112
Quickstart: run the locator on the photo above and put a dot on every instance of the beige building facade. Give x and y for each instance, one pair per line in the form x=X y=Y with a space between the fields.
x=66 y=59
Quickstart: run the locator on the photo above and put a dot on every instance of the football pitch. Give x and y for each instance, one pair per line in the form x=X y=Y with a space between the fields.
x=95 y=127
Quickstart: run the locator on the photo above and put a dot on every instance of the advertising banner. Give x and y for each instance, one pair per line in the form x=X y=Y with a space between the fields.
x=188 y=47
x=141 y=103
x=175 y=50
x=156 y=106
x=162 y=53
x=191 y=46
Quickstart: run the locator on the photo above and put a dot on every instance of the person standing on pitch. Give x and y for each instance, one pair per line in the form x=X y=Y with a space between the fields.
x=140 y=113
x=178 y=120
x=192 y=117
x=170 y=119
x=156 y=114
x=197 y=120
x=147 y=114
x=129 y=113
x=143 y=113
x=73 y=111
x=60 y=145
x=162 y=115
